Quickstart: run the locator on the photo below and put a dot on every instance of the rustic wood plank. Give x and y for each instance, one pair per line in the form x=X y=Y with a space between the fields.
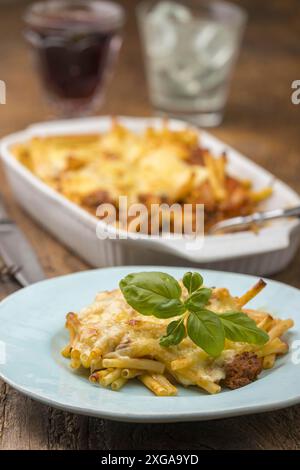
x=260 y=121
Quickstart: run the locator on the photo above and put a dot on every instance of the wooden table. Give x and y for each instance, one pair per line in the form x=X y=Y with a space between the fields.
x=260 y=121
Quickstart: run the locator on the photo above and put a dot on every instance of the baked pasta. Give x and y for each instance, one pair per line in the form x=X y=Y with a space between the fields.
x=116 y=344
x=156 y=166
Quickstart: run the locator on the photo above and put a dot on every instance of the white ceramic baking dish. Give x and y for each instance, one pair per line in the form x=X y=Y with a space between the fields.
x=264 y=253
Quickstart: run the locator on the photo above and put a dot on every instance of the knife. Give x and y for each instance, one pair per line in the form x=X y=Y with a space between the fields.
x=17 y=252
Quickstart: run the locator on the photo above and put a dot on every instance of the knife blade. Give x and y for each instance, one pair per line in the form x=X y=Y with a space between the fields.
x=15 y=250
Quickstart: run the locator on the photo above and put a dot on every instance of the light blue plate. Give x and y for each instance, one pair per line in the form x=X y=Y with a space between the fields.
x=32 y=334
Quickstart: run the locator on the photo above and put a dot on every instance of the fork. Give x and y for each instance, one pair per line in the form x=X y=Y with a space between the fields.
x=256 y=218
x=5 y=224
x=8 y=272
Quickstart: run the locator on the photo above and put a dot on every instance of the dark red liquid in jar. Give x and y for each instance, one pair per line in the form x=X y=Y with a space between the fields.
x=75 y=45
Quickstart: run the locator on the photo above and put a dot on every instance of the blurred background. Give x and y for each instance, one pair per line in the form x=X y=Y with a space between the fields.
x=260 y=89
x=260 y=120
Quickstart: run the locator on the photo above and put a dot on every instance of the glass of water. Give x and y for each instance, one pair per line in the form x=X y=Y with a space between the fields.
x=190 y=49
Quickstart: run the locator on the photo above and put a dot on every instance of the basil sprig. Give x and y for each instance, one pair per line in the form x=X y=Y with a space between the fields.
x=160 y=295
x=192 y=281
x=240 y=327
x=153 y=293
x=175 y=333
x=205 y=329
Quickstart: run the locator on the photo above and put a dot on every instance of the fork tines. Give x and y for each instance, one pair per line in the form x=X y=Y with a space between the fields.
x=8 y=271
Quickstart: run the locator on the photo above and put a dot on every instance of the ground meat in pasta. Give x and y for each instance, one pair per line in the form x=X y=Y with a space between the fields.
x=242 y=370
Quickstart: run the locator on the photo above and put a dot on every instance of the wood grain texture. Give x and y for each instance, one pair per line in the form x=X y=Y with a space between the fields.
x=260 y=121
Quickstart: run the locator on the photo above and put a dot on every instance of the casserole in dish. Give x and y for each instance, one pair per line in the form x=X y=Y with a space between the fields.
x=158 y=168
x=264 y=252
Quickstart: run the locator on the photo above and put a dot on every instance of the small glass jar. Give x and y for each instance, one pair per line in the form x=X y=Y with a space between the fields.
x=75 y=44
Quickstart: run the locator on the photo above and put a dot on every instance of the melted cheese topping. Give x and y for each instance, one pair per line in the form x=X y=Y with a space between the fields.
x=156 y=166
x=110 y=324
x=118 y=161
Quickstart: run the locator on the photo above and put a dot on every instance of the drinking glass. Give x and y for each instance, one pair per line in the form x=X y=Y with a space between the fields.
x=190 y=48
x=75 y=43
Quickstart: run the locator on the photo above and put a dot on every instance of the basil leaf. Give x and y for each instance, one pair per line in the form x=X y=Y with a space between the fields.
x=192 y=281
x=239 y=327
x=153 y=293
x=205 y=329
x=198 y=300
x=175 y=334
